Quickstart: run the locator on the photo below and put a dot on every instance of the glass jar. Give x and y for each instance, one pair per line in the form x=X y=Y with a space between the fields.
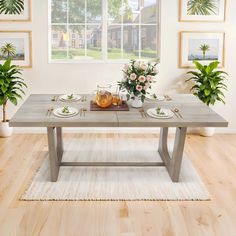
x=103 y=96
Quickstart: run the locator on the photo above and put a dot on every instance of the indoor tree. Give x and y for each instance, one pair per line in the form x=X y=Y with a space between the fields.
x=11 y=85
x=202 y=7
x=11 y=6
x=209 y=82
x=204 y=48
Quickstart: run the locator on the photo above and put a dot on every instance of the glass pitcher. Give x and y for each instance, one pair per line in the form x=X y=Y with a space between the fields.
x=103 y=96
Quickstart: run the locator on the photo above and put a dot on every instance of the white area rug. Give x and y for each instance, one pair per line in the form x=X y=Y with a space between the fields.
x=115 y=183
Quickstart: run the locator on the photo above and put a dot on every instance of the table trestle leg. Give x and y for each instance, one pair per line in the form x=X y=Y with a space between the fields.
x=172 y=162
x=55 y=146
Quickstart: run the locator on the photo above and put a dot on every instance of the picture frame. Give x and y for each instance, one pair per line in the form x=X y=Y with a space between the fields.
x=214 y=12
x=20 y=12
x=21 y=42
x=201 y=46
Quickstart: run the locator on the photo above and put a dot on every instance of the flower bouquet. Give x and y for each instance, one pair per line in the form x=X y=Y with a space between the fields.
x=137 y=80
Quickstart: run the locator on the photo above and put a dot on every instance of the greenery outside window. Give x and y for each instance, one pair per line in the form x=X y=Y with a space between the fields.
x=93 y=30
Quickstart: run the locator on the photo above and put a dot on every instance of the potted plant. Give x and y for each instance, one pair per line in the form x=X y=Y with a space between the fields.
x=137 y=80
x=11 y=88
x=209 y=84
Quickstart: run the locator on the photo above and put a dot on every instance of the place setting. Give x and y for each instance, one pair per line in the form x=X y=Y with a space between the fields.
x=65 y=112
x=160 y=113
x=155 y=97
x=70 y=97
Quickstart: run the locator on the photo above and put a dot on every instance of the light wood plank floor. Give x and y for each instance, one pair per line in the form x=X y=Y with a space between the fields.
x=214 y=158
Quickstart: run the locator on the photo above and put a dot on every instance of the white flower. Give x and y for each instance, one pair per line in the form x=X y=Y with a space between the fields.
x=133 y=76
x=142 y=78
x=126 y=66
x=146 y=87
x=124 y=78
x=136 y=64
x=143 y=66
x=139 y=88
x=155 y=70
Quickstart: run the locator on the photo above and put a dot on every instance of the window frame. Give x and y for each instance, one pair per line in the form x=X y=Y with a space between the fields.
x=104 y=41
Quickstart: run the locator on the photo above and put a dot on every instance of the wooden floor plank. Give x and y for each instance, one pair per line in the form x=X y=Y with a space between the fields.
x=214 y=159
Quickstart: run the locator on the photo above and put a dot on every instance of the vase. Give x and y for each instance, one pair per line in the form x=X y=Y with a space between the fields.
x=5 y=130
x=207 y=131
x=137 y=102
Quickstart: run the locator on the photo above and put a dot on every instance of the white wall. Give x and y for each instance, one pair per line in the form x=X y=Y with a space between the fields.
x=83 y=78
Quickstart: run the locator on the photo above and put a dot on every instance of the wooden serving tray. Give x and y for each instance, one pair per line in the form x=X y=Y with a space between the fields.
x=123 y=107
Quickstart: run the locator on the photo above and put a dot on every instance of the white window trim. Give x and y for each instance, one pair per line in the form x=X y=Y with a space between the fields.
x=104 y=44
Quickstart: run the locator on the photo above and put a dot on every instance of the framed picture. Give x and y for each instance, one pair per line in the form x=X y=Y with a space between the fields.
x=16 y=45
x=15 y=10
x=202 y=10
x=201 y=46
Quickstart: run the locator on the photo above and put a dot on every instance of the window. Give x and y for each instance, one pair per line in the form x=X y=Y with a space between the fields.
x=103 y=30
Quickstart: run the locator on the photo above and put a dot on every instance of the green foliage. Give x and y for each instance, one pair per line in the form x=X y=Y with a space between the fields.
x=11 y=84
x=8 y=49
x=11 y=6
x=94 y=10
x=202 y=7
x=208 y=83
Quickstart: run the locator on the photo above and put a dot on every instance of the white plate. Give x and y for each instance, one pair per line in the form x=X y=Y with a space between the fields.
x=64 y=98
x=168 y=113
x=157 y=98
x=72 y=112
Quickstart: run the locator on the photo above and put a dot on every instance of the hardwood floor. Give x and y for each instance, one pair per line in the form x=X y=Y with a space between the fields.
x=214 y=158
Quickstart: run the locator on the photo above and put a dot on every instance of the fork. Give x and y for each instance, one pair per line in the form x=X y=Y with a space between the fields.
x=84 y=99
x=84 y=110
x=80 y=111
x=49 y=111
x=143 y=113
x=167 y=97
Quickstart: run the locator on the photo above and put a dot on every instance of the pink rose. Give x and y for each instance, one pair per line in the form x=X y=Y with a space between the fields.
x=149 y=78
x=139 y=88
x=146 y=87
x=142 y=78
x=133 y=76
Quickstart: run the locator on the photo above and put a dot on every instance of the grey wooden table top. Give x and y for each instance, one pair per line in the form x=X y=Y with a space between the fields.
x=195 y=114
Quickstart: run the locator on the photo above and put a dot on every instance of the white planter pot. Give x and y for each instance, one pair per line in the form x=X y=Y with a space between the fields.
x=5 y=130
x=137 y=103
x=207 y=131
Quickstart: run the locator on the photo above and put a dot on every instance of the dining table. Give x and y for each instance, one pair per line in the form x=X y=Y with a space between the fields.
x=37 y=109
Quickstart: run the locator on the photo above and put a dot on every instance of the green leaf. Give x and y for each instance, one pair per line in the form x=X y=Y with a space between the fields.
x=207 y=92
x=198 y=65
x=212 y=66
x=13 y=100
x=11 y=6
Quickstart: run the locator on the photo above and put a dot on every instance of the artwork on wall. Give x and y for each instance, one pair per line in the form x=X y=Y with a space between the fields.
x=15 y=10
x=201 y=46
x=202 y=10
x=17 y=46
